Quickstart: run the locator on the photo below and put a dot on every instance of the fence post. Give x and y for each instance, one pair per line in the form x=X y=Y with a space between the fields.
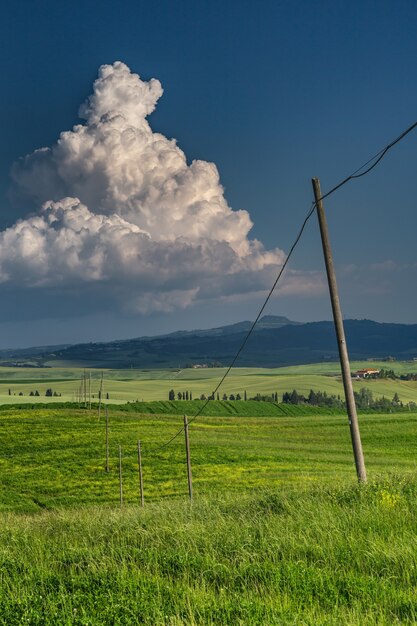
x=187 y=451
x=142 y=500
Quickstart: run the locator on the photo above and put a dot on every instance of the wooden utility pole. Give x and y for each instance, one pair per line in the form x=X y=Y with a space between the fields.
x=142 y=500
x=187 y=451
x=100 y=393
x=120 y=476
x=89 y=390
x=340 y=333
x=107 y=440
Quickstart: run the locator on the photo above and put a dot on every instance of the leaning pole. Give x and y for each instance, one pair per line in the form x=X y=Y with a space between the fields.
x=340 y=333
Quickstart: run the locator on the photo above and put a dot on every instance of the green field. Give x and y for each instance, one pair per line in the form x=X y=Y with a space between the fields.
x=147 y=385
x=279 y=532
x=55 y=457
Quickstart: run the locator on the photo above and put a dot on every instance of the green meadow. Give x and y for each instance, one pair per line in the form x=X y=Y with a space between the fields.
x=53 y=458
x=279 y=532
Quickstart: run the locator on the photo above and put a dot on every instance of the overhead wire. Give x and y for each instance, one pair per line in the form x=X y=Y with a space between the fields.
x=358 y=173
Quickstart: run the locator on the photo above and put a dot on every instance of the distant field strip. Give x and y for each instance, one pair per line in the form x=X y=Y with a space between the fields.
x=151 y=385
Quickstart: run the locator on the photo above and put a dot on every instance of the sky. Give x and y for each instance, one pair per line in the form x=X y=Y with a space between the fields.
x=156 y=163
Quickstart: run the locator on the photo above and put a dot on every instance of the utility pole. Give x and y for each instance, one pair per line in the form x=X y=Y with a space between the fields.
x=187 y=451
x=142 y=500
x=107 y=440
x=120 y=477
x=100 y=393
x=89 y=390
x=340 y=333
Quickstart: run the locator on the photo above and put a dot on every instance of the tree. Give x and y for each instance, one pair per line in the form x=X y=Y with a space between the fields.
x=179 y=395
x=225 y=397
x=49 y=393
x=363 y=398
x=396 y=399
x=294 y=397
x=37 y=393
x=107 y=396
x=238 y=396
x=191 y=395
x=171 y=395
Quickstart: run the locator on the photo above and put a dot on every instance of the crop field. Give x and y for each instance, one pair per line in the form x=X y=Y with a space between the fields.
x=278 y=533
x=16 y=384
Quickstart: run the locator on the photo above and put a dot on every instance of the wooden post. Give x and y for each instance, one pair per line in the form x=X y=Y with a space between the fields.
x=107 y=440
x=89 y=390
x=142 y=500
x=120 y=476
x=187 y=451
x=340 y=333
x=100 y=393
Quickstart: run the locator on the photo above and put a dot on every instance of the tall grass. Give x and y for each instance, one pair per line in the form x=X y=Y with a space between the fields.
x=289 y=556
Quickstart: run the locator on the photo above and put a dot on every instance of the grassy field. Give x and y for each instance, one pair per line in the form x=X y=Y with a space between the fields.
x=279 y=532
x=148 y=385
x=55 y=457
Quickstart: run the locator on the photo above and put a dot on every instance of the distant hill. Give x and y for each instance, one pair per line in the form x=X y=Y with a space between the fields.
x=275 y=342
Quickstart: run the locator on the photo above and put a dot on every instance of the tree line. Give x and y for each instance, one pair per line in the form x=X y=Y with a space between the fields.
x=364 y=398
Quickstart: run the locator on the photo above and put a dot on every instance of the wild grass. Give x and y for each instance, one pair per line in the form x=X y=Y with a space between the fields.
x=311 y=556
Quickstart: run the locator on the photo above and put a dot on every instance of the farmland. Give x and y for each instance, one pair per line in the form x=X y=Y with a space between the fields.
x=131 y=385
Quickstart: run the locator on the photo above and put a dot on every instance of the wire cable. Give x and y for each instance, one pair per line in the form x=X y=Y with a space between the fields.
x=356 y=174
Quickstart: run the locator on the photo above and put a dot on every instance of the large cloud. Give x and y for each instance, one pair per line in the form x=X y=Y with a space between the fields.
x=120 y=207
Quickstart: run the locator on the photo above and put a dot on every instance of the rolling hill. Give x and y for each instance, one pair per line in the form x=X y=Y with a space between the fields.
x=275 y=342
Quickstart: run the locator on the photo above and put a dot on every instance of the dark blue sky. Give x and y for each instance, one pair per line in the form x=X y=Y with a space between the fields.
x=273 y=93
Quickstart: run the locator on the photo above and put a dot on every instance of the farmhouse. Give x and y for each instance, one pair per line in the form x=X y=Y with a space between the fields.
x=366 y=373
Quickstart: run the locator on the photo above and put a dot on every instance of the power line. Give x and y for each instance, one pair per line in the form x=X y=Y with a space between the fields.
x=377 y=158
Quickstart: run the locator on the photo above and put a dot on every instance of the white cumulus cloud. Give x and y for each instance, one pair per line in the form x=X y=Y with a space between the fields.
x=120 y=207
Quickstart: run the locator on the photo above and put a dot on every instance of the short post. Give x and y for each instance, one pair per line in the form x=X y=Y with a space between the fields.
x=120 y=477
x=89 y=390
x=142 y=500
x=187 y=451
x=340 y=333
x=100 y=393
x=107 y=440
